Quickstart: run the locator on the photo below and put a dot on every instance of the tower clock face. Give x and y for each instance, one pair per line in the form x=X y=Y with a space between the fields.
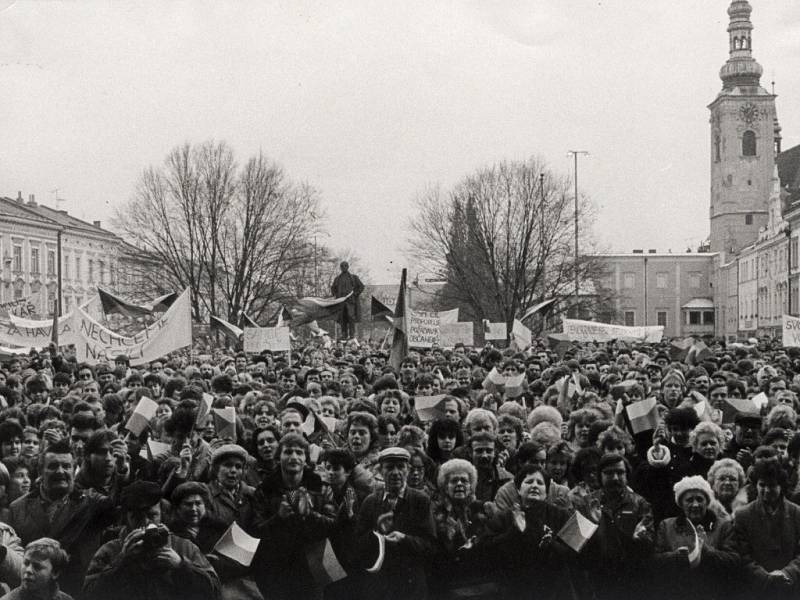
x=749 y=113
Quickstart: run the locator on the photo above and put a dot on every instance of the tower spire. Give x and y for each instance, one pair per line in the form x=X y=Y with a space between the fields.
x=741 y=69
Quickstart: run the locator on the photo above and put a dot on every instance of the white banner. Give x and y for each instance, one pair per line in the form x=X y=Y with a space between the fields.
x=276 y=339
x=495 y=331
x=423 y=328
x=447 y=317
x=451 y=334
x=95 y=343
x=589 y=331
x=521 y=334
x=791 y=332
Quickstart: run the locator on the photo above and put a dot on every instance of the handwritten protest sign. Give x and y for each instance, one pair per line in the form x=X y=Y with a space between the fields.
x=257 y=339
x=791 y=331
x=423 y=328
x=589 y=331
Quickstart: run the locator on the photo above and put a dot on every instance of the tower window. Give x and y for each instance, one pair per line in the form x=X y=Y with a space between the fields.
x=748 y=219
x=717 y=143
x=748 y=143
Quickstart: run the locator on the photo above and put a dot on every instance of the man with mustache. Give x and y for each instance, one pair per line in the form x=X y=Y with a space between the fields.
x=56 y=509
x=617 y=553
x=403 y=516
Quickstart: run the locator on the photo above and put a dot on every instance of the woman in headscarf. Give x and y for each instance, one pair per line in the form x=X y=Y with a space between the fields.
x=695 y=555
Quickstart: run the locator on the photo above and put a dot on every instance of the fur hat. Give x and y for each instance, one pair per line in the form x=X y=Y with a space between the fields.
x=695 y=482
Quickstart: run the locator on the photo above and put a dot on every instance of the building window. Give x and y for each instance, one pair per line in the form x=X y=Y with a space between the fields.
x=51 y=262
x=694 y=317
x=748 y=143
x=661 y=318
x=708 y=317
x=78 y=268
x=35 y=261
x=66 y=266
x=630 y=318
x=102 y=268
x=18 y=258
x=717 y=142
x=748 y=219
x=694 y=280
x=17 y=293
x=661 y=281
x=91 y=270
x=629 y=281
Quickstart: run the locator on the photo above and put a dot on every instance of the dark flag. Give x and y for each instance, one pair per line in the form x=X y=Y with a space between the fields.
x=114 y=305
x=229 y=329
x=317 y=309
x=399 y=337
x=378 y=310
x=162 y=303
x=541 y=307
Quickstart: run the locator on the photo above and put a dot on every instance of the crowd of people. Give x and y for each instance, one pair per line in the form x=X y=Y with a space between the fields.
x=481 y=495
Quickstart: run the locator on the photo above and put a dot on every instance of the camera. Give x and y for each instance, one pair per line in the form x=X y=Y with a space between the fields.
x=155 y=537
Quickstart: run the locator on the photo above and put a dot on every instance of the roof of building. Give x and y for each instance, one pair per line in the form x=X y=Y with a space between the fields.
x=699 y=303
x=18 y=210
x=44 y=214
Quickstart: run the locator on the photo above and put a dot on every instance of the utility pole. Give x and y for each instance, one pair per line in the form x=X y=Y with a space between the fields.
x=574 y=154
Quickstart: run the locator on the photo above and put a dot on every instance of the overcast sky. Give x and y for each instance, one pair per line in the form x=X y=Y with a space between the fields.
x=370 y=102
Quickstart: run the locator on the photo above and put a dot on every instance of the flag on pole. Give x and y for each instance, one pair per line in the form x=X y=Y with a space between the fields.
x=429 y=408
x=399 y=337
x=230 y=330
x=155 y=450
x=142 y=415
x=162 y=303
x=541 y=307
x=225 y=422
x=577 y=531
x=237 y=545
x=514 y=386
x=643 y=415
x=322 y=562
x=246 y=321
x=679 y=349
x=378 y=309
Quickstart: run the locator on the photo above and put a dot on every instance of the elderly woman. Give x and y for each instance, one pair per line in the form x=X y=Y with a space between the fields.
x=459 y=568
x=190 y=518
x=726 y=477
x=695 y=556
x=534 y=563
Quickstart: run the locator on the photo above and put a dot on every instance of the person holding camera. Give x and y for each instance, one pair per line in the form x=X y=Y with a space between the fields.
x=147 y=561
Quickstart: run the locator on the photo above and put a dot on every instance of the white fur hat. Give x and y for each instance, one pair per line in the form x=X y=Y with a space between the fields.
x=695 y=482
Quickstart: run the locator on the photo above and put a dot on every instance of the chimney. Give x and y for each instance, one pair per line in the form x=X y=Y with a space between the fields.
x=96 y=224
x=31 y=200
x=638 y=251
x=19 y=197
x=651 y=251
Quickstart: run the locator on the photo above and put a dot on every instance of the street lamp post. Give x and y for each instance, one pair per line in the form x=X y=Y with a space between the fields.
x=574 y=154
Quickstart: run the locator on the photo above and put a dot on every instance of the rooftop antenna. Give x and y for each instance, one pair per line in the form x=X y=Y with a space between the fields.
x=773 y=82
x=57 y=199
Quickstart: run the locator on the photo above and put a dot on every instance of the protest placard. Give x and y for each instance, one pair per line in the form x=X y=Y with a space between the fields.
x=589 y=331
x=423 y=328
x=276 y=339
x=791 y=331
x=451 y=334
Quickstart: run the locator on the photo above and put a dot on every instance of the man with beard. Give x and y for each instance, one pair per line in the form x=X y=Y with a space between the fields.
x=617 y=553
x=746 y=438
x=491 y=477
x=403 y=516
x=55 y=509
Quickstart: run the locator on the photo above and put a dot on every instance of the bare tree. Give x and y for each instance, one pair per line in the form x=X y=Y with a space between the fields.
x=503 y=238
x=229 y=234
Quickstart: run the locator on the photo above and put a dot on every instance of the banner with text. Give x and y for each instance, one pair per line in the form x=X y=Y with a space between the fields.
x=791 y=332
x=95 y=343
x=589 y=331
x=258 y=339
x=423 y=328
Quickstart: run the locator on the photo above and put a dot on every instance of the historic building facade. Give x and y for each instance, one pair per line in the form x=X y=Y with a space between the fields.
x=31 y=237
x=750 y=275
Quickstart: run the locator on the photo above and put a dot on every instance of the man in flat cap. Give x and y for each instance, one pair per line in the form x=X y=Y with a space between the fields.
x=146 y=561
x=403 y=516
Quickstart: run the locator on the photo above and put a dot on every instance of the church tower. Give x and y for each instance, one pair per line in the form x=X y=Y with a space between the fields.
x=743 y=138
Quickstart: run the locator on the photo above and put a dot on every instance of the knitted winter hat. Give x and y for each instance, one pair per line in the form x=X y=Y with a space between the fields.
x=695 y=482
